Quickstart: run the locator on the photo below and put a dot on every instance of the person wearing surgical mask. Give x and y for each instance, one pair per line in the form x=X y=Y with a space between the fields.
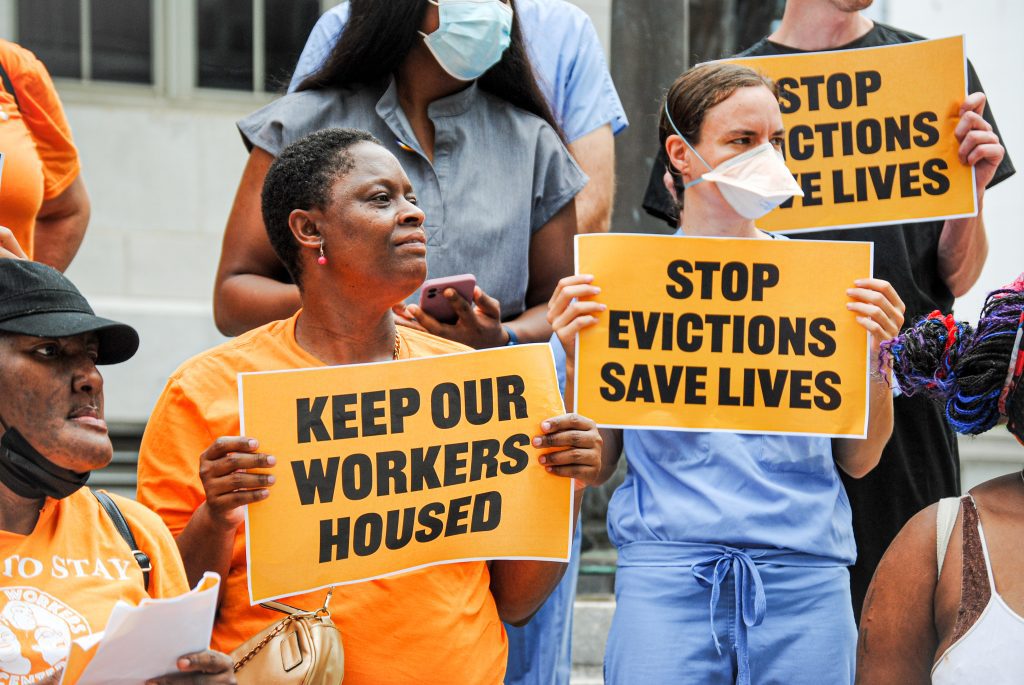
x=732 y=548
x=447 y=87
x=470 y=37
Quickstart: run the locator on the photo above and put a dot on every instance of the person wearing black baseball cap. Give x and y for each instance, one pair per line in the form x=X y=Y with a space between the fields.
x=51 y=394
x=70 y=555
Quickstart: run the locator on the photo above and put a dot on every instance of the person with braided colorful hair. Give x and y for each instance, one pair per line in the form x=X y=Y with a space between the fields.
x=954 y=613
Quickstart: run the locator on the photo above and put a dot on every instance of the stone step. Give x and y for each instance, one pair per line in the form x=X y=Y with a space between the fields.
x=586 y=675
x=592 y=619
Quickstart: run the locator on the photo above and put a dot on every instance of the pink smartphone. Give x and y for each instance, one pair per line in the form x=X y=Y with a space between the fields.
x=433 y=301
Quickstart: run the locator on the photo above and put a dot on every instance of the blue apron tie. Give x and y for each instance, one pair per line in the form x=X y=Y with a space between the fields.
x=751 y=604
x=710 y=565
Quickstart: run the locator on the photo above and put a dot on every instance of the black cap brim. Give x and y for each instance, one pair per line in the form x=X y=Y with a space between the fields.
x=118 y=341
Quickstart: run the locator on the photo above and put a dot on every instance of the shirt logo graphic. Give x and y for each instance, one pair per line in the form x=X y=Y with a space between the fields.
x=36 y=631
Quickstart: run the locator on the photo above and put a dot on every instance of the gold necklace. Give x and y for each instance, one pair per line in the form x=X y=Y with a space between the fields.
x=398 y=346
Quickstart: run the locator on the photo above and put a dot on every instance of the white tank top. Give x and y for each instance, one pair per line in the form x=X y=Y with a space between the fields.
x=991 y=652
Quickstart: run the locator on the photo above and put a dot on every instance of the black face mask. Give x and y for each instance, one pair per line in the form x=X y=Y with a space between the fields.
x=29 y=474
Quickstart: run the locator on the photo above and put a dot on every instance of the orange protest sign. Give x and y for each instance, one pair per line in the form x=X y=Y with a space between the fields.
x=390 y=467
x=724 y=334
x=869 y=135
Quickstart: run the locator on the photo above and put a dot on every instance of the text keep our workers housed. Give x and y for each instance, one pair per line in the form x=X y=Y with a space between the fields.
x=870 y=135
x=389 y=467
x=724 y=334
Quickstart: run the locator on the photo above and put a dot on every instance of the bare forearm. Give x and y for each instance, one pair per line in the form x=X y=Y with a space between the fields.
x=595 y=153
x=963 y=248
x=57 y=239
x=594 y=208
x=858 y=457
x=205 y=546
x=532 y=325
x=611 y=450
x=60 y=226
x=246 y=301
x=611 y=453
x=521 y=587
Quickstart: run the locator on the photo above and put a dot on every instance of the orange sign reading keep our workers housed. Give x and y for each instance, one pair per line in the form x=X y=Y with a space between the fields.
x=390 y=467
x=869 y=134
x=724 y=335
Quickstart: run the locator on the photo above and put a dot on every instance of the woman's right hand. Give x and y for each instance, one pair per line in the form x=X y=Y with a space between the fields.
x=568 y=314
x=224 y=470
x=200 y=668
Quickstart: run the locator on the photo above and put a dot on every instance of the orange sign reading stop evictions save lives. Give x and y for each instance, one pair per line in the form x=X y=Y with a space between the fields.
x=869 y=135
x=724 y=334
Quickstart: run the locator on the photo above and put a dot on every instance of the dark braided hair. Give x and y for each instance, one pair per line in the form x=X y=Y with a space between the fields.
x=963 y=366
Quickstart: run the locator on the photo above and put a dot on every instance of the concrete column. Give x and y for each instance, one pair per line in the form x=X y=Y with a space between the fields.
x=653 y=41
x=649 y=48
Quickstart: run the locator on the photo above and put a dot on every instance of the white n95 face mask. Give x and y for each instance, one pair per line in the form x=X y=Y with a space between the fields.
x=753 y=182
x=471 y=37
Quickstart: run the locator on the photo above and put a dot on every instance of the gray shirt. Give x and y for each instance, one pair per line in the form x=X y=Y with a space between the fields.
x=499 y=173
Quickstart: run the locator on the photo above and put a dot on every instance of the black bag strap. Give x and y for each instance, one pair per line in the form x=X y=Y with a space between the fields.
x=108 y=504
x=8 y=86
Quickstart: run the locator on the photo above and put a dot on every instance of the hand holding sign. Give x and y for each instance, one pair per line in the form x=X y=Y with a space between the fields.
x=979 y=145
x=580 y=457
x=569 y=313
x=879 y=309
x=228 y=485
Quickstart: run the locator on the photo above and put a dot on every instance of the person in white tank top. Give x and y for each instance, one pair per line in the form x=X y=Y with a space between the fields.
x=946 y=605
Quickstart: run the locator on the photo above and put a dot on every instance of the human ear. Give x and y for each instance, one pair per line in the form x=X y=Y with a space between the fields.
x=303 y=224
x=680 y=157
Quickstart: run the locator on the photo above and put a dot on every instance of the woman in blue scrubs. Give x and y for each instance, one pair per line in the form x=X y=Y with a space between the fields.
x=732 y=548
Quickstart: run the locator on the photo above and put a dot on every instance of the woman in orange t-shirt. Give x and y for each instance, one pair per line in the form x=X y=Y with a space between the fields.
x=42 y=197
x=341 y=215
x=63 y=563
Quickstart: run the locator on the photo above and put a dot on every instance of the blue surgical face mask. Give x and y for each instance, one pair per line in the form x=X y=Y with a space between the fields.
x=471 y=37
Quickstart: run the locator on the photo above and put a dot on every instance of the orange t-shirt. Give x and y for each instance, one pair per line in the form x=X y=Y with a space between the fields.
x=61 y=582
x=40 y=160
x=437 y=625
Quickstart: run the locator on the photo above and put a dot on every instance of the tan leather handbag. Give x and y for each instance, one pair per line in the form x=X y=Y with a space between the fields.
x=304 y=648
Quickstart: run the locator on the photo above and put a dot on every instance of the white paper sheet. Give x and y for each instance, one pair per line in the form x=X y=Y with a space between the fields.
x=145 y=641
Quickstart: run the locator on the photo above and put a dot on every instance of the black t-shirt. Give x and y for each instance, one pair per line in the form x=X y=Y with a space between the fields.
x=920 y=464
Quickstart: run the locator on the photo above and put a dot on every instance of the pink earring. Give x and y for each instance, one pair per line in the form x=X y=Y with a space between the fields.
x=321 y=260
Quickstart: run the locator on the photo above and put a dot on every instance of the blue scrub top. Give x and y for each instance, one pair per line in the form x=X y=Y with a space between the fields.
x=740 y=490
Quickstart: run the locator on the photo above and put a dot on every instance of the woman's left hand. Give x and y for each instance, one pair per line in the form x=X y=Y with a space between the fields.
x=478 y=324
x=580 y=446
x=878 y=308
x=200 y=668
